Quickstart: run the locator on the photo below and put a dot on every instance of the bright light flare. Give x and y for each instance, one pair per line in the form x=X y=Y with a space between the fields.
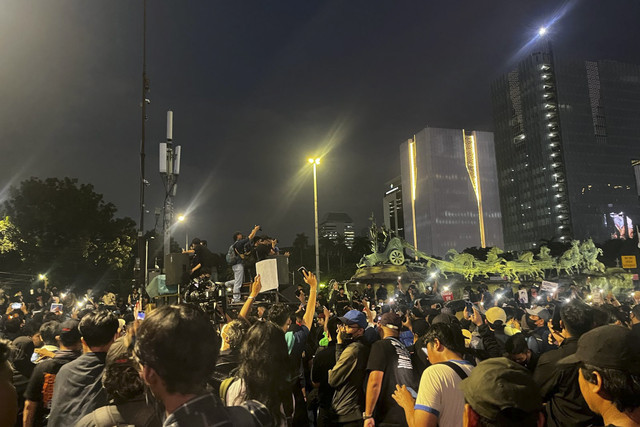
x=181 y=218
x=542 y=31
x=42 y=276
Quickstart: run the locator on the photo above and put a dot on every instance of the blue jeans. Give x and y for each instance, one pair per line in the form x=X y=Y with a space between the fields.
x=238 y=278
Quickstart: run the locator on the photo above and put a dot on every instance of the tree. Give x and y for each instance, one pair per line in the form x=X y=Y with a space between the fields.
x=67 y=230
x=326 y=249
x=300 y=243
x=7 y=234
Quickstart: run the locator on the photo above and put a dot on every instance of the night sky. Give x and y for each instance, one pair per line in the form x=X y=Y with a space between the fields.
x=259 y=86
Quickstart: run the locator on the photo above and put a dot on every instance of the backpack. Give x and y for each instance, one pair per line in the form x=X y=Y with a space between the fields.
x=231 y=255
x=224 y=387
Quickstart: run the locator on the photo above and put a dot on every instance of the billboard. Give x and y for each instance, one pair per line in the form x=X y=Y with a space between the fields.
x=619 y=225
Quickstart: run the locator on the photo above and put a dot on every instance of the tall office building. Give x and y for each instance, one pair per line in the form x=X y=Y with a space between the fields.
x=338 y=223
x=392 y=207
x=565 y=136
x=450 y=190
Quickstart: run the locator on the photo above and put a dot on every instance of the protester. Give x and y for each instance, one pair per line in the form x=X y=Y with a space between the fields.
x=296 y=338
x=125 y=390
x=389 y=364
x=48 y=333
x=78 y=387
x=8 y=395
x=538 y=340
x=348 y=374
x=263 y=361
x=323 y=362
x=516 y=349
x=39 y=392
x=235 y=256
x=232 y=335
x=609 y=361
x=177 y=348
x=501 y=393
x=559 y=385
x=439 y=399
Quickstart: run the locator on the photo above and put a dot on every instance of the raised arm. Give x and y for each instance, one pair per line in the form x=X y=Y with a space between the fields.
x=311 y=280
x=255 y=290
x=253 y=232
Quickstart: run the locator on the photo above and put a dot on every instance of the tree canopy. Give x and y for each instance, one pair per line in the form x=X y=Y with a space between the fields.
x=66 y=230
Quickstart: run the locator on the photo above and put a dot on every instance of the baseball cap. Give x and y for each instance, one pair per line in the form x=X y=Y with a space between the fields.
x=445 y=318
x=391 y=320
x=609 y=346
x=354 y=317
x=496 y=313
x=69 y=332
x=497 y=384
x=541 y=312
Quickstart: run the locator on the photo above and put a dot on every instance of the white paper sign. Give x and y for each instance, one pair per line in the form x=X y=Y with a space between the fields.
x=523 y=296
x=268 y=271
x=548 y=286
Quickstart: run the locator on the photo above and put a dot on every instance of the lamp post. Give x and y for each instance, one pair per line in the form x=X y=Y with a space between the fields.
x=182 y=218
x=315 y=162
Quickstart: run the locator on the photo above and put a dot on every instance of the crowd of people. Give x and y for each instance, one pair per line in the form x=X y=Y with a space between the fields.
x=387 y=357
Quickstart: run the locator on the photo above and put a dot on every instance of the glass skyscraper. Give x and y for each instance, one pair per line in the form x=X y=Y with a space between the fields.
x=565 y=136
x=450 y=190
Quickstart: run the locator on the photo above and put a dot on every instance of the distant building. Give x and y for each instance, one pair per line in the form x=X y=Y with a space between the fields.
x=449 y=181
x=392 y=207
x=338 y=223
x=565 y=138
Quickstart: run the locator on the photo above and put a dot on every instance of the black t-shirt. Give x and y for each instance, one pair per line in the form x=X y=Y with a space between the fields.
x=381 y=293
x=339 y=303
x=323 y=362
x=391 y=357
x=204 y=257
x=40 y=387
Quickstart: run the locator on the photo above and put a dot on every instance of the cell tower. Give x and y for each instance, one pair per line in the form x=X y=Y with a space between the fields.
x=169 y=171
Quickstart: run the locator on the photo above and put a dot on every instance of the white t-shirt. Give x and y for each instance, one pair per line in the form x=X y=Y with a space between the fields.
x=234 y=398
x=440 y=395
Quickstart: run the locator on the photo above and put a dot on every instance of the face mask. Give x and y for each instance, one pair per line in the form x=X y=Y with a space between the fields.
x=347 y=338
x=531 y=323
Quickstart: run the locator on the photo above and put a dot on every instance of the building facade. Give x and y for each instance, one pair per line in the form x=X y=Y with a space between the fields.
x=335 y=224
x=450 y=190
x=392 y=207
x=565 y=137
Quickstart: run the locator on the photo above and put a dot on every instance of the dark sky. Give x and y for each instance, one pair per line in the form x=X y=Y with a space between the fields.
x=257 y=87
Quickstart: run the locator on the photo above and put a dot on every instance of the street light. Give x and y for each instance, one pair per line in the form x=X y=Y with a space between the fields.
x=542 y=31
x=315 y=162
x=182 y=218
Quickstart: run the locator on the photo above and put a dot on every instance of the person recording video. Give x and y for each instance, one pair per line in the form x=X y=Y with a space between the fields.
x=236 y=254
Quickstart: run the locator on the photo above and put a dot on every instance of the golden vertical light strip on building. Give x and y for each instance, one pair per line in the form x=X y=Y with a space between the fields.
x=412 y=163
x=471 y=161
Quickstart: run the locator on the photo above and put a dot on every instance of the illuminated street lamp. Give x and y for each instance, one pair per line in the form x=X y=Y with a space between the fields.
x=315 y=162
x=43 y=278
x=542 y=31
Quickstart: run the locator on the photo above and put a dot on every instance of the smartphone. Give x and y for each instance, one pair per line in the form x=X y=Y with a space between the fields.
x=469 y=306
x=303 y=270
x=16 y=305
x=55 y=308
x=140 y=315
